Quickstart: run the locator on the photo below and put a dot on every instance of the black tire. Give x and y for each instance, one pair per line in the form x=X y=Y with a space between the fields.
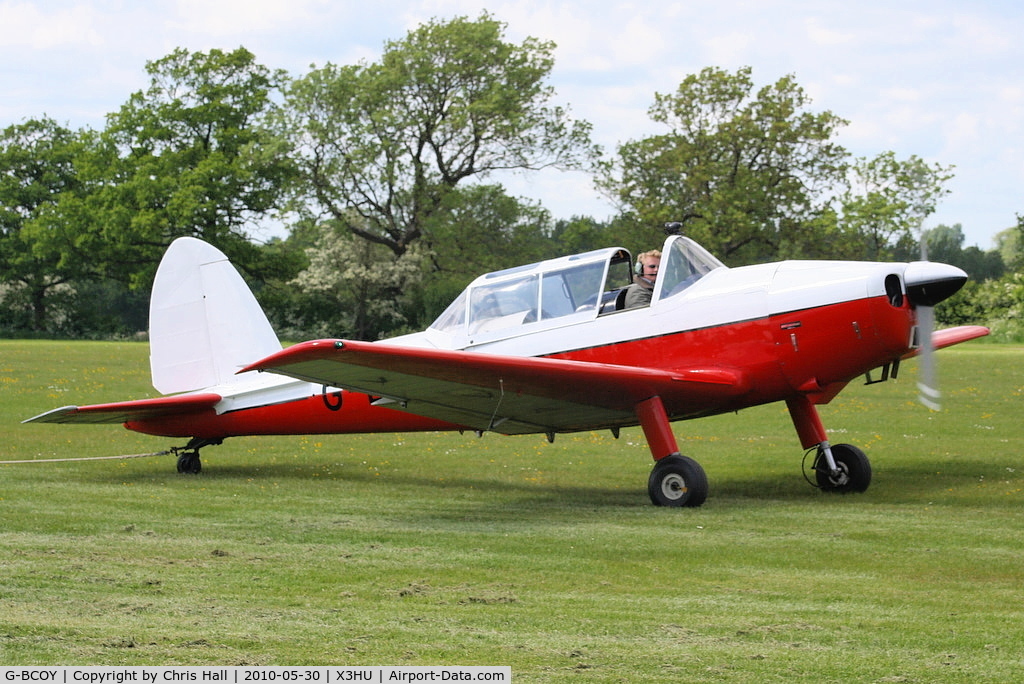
x=854 y=468
x=189 y=463
x=677 y=481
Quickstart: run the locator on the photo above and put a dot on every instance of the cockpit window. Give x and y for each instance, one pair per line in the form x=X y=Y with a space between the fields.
x=560 y=290
x=504 y=304
x=683 y=263
x=571 y=290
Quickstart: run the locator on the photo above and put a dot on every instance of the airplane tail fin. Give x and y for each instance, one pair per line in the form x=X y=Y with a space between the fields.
x=204 y=322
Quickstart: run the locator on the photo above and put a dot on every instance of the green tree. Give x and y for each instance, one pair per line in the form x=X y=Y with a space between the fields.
x=998 y=304
x=189 y=156
x=382 y=146
x=886 y=203
x=946 y=244
x=37 y=168
x=364 y=282
x=1009 y=243
x=477 y=229
x=580 y=234
x=371 y=293
x=480 y=228
x=1012 y=246
x=747 y=171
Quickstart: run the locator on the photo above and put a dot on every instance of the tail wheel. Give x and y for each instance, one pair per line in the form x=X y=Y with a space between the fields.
x=189 y=463
x=853 y=470
x=677 y=481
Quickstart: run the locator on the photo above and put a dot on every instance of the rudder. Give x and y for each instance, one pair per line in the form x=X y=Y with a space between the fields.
x=204 y=322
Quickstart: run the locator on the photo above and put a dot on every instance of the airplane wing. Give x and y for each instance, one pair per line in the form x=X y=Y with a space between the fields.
x=126 y=411
x=950 y=336
x=507 y=394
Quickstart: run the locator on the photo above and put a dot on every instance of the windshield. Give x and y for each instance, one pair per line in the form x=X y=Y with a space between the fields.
x=683 y=262
x=454 y=317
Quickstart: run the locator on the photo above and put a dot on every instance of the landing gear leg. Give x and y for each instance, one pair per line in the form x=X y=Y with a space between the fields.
x=837 y=467
x=188 y=455
x=676 y=480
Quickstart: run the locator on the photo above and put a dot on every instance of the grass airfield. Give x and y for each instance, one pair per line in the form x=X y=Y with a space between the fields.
x=448 y=549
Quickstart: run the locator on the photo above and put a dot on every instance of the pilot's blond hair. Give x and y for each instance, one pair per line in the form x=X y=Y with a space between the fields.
x=654 y=253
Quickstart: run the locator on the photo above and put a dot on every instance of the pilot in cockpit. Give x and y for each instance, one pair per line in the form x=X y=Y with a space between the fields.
x=645 y=273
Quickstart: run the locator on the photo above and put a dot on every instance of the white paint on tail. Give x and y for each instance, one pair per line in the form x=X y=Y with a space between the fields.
x=204 y=322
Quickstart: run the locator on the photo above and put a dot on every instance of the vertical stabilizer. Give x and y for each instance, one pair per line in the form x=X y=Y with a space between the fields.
x=204 y=323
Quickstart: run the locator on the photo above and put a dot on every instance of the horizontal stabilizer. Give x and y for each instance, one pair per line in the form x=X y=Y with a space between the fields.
x=128 y=411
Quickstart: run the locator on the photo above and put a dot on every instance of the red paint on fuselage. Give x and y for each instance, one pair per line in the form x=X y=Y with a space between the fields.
x=310 y=416
x=801 y=352
x=812 y=352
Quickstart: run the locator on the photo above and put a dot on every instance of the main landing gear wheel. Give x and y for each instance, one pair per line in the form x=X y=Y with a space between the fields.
x=853 y=470
x=677 y=481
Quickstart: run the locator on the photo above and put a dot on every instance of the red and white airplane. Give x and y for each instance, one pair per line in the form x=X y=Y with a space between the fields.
x=545 y=348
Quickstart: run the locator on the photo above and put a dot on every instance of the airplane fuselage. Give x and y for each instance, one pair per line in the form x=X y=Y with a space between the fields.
x=787 y=327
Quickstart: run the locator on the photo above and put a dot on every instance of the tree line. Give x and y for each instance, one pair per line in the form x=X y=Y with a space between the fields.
x=383 y=179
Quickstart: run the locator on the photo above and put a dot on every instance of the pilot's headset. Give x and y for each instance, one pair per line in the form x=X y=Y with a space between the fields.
x=638 y=267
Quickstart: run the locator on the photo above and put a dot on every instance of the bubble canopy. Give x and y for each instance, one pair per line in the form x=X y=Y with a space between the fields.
x=581 y=285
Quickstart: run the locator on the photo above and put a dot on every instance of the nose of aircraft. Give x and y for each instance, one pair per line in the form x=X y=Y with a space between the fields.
x=929 y=282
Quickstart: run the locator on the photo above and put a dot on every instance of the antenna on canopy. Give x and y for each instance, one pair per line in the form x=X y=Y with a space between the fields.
x=674 y=228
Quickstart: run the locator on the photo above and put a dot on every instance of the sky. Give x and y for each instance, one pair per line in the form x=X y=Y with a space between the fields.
x=942 y=79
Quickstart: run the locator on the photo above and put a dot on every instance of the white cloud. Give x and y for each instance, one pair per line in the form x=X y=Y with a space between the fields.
x=819 y=34
x=962 y=132
x=943 y=80
x=981 y=35
x=27 y=25
x=730 y=49
x=230 y=18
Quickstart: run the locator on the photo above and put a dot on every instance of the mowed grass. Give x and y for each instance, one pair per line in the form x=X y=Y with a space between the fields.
x=434 y=548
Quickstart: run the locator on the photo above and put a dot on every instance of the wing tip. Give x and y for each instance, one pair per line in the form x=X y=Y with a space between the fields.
x=950 y=336
x=53 y=415
x=314 y=347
